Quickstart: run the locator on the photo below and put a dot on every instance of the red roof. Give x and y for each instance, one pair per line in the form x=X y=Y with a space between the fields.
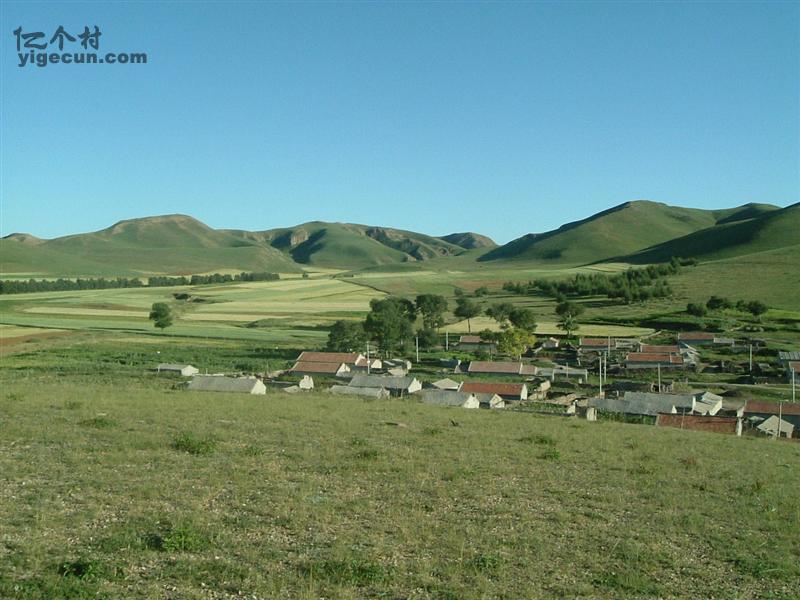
x=348 y=358
x=594 y=342
x=483 y=366
x=317 y=367
x=772 y=408
x=501 y=389
x=696 y=335
x=655 y=349
x=654 y=358
x=794 y=365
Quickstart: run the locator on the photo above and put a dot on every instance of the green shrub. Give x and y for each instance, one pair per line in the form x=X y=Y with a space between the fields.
x=188 y=442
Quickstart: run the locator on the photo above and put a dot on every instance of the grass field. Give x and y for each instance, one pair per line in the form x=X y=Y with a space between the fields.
x=144 y=491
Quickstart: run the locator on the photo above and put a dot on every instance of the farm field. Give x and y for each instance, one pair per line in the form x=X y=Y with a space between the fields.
x=286 y=312
x=149 y=491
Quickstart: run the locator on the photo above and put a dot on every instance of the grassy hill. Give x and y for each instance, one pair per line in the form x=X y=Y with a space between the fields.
x=172 y=244
x=729 y=238
x=622 y=230
x=122 y=487
x=469 y=240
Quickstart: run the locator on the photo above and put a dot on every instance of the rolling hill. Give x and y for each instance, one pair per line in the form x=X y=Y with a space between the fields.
x=619 y=231
x=763 y=231
x=634 y=232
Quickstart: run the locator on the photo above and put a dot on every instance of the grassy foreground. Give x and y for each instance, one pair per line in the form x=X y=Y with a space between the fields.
x=145 y=491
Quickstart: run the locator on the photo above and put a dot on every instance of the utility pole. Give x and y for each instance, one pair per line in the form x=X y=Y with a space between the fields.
x=780 y=420
x=659 y=377
x=751 y=358
x=367 y=357
x=417 y=342
x=447 y=340
x=793 y=387
x=600 y=368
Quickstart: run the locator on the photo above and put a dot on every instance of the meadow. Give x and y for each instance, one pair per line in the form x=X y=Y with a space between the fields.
x=129 y=487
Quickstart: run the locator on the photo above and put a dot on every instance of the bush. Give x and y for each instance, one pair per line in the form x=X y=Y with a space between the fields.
x=188 y=442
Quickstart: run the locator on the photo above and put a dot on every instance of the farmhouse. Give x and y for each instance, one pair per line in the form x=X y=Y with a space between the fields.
x=185 y=370
x=446 y=384
x=490 y=401
x=354 y=361
x=216 y=383
x=507 y=391
x=706 y=403
x=788 y=356
x=703 y=338
x=641 y=360
x=333 y=369
x=397 y=386
x=659 y=349
x=447 y=398
x=563 y=370
x=595 y=344
x=643 y=403
x=474 y=343
x=730 y=425
x=788 y=411
x=346 y=390
x=776 y=427
x=482 y=367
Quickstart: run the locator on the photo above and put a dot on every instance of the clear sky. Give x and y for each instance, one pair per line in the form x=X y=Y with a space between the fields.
x=436 y=117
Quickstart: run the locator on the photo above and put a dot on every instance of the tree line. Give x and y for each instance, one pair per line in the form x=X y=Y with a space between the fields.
x=633 y=285
x=14 y=286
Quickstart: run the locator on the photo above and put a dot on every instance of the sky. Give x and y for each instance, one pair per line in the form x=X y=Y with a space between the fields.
x=500 y=118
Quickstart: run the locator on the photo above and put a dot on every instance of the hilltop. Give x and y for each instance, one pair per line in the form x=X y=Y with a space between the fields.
x=623 y=230
x=633 y=232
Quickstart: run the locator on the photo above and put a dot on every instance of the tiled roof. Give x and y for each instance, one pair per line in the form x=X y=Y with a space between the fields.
x=317 y=367
x=482 y=366
x=501 y=389
x=329 y=357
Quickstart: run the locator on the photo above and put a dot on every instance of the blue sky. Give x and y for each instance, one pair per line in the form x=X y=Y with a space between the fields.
x=437 y=117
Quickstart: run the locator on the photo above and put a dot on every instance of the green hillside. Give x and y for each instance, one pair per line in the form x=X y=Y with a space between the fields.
x=619 y=231
x=469 y=240
x=765 y=231
x=172 y=244
x=350 y=246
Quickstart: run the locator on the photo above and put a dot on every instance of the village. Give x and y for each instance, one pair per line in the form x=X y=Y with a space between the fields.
x=622 y=379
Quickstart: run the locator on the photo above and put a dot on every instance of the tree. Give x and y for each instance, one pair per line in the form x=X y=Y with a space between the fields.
x=514 y=341
x=717 y=303
x=481 y=291
x=696 y=310
x=431 y=307
x=161 y=315
x=523 y=318
x=569 y=324
x=569 y=308
x=467 y=309
x=346 y=336
x=390 y=322
x=757 y=308
x=500 y=311
x=427 y=338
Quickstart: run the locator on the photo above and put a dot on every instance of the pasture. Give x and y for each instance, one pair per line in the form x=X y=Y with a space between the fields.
x=116 y=484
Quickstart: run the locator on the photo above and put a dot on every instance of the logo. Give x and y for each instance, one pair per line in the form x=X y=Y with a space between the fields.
x=34 y=49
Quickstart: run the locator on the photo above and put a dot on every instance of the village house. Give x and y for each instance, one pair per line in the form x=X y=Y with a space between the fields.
x=714 y=424
x=449 y=398
x=185 y=370
x=217 y=383
x=446 y=384
x=567 y=372
x=490 y=401
x=332 y=369
x=353 y=361
x=787 y=411
x=703 y=338
x=474 y=343
x=643 y=403
x=507 y=391
x=793 y=371
x=641 y=360
x=397 y=386
x=483 y=367
x=775 y=427
x=346 y=390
